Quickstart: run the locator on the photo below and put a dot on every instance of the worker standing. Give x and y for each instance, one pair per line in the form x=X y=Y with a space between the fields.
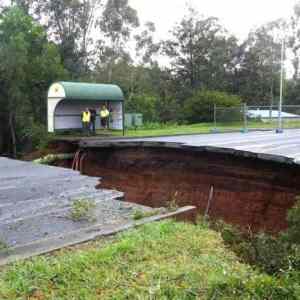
x=86 y=120
x=93 y=120
x=104 y=116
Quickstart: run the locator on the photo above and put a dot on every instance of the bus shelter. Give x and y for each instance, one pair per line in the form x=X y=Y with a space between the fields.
x=67 y=101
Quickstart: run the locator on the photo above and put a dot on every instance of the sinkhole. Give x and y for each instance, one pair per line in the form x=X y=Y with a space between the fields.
x=245 y=191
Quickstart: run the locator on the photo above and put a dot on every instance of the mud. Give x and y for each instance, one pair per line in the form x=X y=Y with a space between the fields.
x=246 y=192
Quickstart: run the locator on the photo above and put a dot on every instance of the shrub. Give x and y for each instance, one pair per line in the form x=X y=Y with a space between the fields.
x=144 y=104
x=254 y=287
x=200 y=106
x=37 y=135
x=230 y=234
x=270 y=254
x=293 y=232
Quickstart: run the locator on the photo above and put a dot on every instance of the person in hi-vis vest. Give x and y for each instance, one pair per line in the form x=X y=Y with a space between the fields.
x=104 y=116
x=86 y=120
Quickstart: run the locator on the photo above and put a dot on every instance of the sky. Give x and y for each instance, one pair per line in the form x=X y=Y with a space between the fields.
x=238 y=16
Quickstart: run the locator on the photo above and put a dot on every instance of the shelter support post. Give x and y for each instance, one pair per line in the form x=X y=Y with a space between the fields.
x=123 y=118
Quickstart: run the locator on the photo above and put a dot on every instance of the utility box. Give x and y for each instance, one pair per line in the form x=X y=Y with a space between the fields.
x=137 y=120
x=133 y=120
x=128 y=120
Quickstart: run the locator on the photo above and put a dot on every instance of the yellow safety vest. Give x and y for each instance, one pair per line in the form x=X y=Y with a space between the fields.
x=104 y=113
x=86 y=117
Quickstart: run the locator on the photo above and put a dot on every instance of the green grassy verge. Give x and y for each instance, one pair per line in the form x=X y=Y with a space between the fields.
x=204 y=128
x=157 y=129
x=165 y=260
x=170 y=130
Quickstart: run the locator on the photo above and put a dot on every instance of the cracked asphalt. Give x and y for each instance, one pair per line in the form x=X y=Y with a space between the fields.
x=35 y=205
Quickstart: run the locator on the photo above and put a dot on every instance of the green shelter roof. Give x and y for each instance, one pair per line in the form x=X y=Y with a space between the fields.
x=92 y=91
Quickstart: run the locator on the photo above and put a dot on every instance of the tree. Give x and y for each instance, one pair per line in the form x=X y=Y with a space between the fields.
x=257 y=78
x=201 y=52
x=69 y=24
x=28 y=64
x=294 y=40
x=116 y=23
x=26 y=5
x=292 y=93
x=146 y=47
x=200 y=106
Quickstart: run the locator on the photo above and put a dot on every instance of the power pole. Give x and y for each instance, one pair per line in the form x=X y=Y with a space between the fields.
x=280 y=128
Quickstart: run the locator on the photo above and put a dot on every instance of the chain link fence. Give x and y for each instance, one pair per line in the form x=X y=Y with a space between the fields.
x=245 y=118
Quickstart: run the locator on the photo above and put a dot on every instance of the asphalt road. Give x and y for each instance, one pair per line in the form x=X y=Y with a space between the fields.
x=35 y=207
x=286 y=144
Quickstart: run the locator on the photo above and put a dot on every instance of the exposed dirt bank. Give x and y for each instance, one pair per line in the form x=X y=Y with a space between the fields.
x=247 y=192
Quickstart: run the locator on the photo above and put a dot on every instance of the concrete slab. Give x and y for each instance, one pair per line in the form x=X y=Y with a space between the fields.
x=36 y=203
x=51 y=244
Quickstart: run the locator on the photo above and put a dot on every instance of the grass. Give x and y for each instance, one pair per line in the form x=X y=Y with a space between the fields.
x=165 y=260
x=205 y=128
x=174 y=129
x=82 y=210
x=139 y=214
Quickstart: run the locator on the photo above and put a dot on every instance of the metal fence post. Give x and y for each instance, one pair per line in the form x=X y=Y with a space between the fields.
x=245 y=114
x=215 y=129
x=280 y=127
x=215 y=116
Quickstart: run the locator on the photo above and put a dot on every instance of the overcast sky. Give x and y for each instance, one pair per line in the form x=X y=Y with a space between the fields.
x=238 y=16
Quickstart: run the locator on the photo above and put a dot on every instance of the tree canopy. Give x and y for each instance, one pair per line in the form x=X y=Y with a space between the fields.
x=103 y=41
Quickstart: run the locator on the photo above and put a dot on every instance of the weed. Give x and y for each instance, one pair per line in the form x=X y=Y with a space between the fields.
x=83 y=210
x=203 y=222
x=172 y=204
x=51 y=158
x=3 y=246
x=139 y=214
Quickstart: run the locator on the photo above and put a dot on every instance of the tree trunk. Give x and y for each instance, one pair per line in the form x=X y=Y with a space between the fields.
x=13 y=134
x=296 y=66
x=110 y=72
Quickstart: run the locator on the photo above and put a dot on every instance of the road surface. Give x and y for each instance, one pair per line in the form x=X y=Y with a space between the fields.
x=35 y=206
x=267 y=142
x=263 y=144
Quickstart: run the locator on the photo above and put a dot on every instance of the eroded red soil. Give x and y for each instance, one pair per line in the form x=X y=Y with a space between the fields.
x=247 y=192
